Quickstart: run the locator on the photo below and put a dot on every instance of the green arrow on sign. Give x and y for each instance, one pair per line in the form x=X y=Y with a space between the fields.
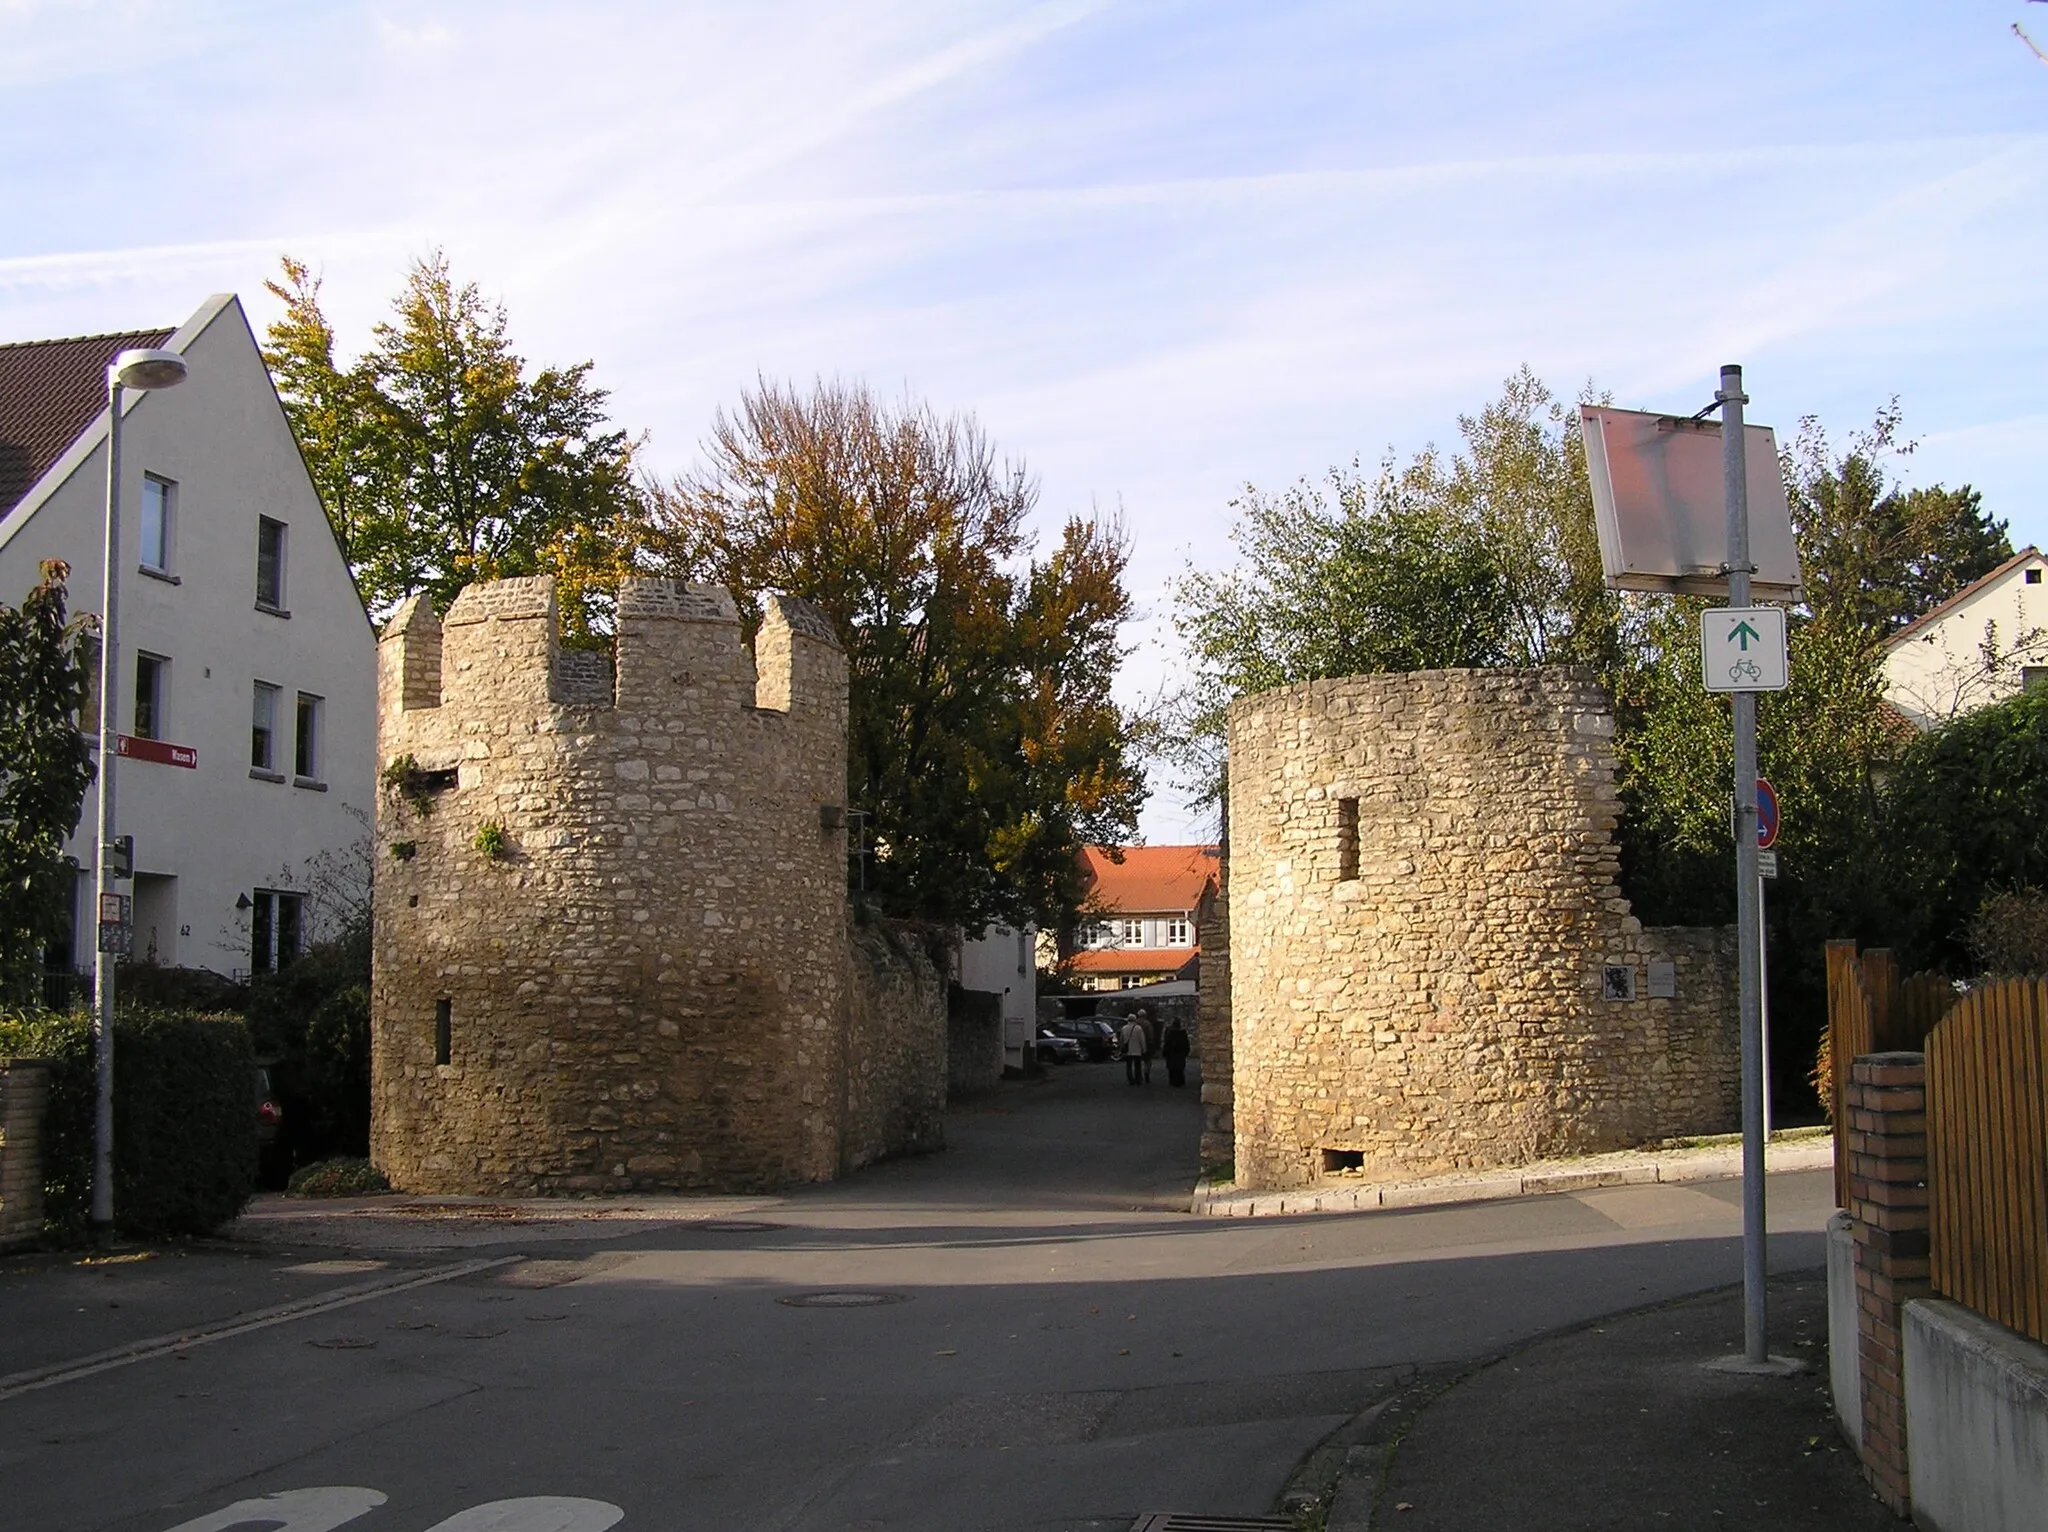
x=1744 y=632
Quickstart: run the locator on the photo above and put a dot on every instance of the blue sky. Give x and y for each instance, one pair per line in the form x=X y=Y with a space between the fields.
x=1161 y=249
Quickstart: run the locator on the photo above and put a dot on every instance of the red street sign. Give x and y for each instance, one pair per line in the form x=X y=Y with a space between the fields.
x=1766 y=815
x=161 y=751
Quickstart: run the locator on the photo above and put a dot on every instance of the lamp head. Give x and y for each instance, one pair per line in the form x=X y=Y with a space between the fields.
x=146 y=369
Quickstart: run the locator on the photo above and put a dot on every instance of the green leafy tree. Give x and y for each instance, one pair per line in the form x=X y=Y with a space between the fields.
x=1967 y=819
x=1875 y=553
x=45 y=768
x=984 y=747
x=442 y=460
x=1487 y=558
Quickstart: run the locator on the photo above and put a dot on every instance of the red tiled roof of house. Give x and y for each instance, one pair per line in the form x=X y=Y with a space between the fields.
x=1942 y=608
x=50 y=391
x=1133 y=959
x=1149 y=877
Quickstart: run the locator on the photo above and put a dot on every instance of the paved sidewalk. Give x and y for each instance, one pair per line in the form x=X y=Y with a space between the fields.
x=1618 y=1425
x=1715 y=1160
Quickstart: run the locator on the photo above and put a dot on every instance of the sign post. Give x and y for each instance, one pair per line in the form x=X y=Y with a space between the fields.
x=1654 y=499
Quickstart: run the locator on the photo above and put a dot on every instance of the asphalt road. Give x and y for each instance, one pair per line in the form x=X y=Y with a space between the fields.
x=1049 y=1344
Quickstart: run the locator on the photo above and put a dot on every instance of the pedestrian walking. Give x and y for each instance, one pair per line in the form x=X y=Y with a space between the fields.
x=1173 y=1047
x=1150 y=1023
x=1133 y=1036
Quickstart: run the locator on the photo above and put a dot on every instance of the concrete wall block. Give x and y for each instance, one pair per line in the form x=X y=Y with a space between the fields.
x=1976 y=1407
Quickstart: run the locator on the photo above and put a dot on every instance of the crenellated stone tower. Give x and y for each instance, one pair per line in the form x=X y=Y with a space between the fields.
x=612 y=949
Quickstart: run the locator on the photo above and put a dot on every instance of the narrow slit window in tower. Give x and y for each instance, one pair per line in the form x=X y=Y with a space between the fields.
x=444 y=1032
x=1347 y=839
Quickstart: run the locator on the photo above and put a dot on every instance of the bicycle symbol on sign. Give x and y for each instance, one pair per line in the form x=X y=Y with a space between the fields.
x=1745 y=670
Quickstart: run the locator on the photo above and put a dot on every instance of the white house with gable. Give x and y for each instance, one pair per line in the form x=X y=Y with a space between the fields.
x=247 y=677
x=1983 y=644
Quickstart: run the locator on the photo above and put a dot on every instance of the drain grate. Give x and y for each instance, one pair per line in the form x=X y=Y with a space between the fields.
x=1182 y=1521
x=843 y=1298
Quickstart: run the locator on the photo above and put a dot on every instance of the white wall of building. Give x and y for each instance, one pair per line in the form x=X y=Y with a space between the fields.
x=208 y=835
x=1003 y=961
x=1938 y=669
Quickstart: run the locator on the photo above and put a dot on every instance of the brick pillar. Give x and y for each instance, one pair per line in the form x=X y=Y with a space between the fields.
x=1887 y=1103
x=24 y=1087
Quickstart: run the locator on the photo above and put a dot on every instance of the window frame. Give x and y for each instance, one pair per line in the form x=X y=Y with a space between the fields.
x=260 y=730
x=276 y=914
x=158 y=667
x=1180 y=931
x=166 y=501
x=306 y=736
x=274 y=599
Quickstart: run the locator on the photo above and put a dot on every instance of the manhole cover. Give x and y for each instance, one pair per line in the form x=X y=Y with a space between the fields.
x=843 y=1298
x=736 y=1226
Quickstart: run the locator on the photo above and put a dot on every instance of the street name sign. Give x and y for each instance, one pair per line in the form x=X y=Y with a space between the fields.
x=1742 y=649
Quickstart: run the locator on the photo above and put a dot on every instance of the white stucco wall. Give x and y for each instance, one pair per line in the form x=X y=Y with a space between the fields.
x=1938 y=670
x=1003 y=962
x=1976 y=1422
x=222 y=438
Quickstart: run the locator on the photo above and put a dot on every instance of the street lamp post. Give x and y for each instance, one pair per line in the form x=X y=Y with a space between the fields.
x=140 y=370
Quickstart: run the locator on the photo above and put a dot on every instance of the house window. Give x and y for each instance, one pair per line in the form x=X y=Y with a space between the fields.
x=263 y=729
x=159 y=500
x=270 y=564
x=1347 y=840
x=152 y=671
x=274 y=930
x=1179 y=931
x=306 y=739
x=1133 y=933
x=2033 y=577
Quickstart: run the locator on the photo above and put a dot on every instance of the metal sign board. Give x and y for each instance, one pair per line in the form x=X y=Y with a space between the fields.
x=1767 y=864
x=116 y=938
x=162 y=752
x=1742 y=649
x=1661 y=513
x=1766 y=814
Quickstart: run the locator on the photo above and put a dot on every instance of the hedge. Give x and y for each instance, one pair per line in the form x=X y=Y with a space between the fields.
x=184 y=1119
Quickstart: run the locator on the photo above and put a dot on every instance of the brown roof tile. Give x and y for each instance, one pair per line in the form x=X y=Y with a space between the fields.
x=1149 y=878
x=50 y=391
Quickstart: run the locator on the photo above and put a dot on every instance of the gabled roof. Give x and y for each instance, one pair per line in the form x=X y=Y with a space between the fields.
x=50 y=391
x=1120 y=960
x=1150 y=878
x=1935 y=613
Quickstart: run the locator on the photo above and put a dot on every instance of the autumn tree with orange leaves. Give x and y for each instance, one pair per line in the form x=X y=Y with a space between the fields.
x=984 y=747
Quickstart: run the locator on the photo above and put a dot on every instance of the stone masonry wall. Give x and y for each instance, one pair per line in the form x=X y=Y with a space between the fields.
x=654 y=987
x=1424 y=912
x=1212 y=1027
x=896 y=1049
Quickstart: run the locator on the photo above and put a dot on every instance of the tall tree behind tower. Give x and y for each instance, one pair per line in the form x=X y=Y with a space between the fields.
x=984 y=745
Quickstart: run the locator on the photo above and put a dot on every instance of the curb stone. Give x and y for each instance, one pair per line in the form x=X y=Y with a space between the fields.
x=1635 y=1169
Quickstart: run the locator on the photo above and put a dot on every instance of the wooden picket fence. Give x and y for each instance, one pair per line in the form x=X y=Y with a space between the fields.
x=1987 y=1153
x=1873 y=1008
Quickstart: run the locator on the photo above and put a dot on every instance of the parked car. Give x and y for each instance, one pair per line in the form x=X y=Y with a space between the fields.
x=1097 y=1037
x=1054 y=1049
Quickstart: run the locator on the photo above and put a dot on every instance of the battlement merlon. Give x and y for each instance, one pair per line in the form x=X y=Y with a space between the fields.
x=409 y=658
x=799 y=660
x=499 y=644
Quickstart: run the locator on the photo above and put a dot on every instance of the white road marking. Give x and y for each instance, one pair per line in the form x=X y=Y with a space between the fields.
x=539 y=1513
x=292 y=1510
x=323 y=1509
x=142 y=1350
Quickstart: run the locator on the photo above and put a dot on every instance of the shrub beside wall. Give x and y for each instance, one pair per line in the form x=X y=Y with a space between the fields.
x=184 y=1119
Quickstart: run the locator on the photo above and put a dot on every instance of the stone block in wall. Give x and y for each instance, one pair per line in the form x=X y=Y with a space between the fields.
x=974 y=1042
